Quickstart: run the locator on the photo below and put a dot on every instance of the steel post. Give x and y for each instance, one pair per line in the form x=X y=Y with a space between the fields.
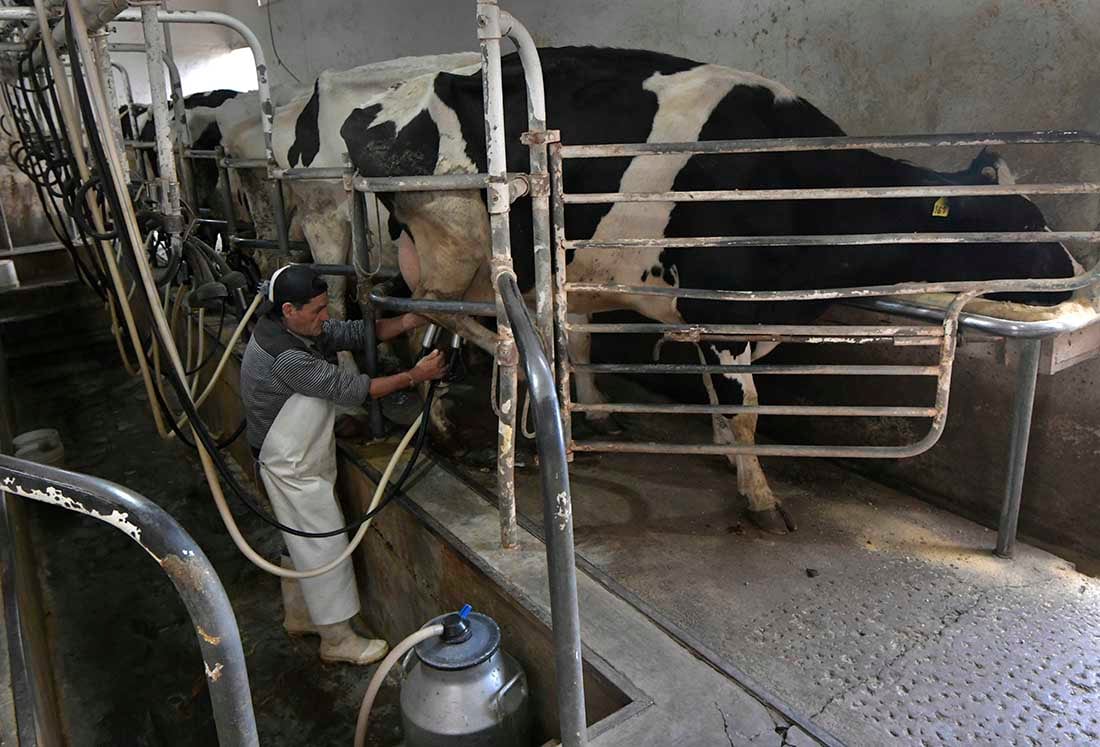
x=169 y=195
x=1027 y=373
x=489 y=35
x=360 y=257
x=561 y=299
x=106 y=74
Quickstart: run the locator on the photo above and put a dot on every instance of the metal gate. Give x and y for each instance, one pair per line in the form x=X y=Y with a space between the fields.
x=942 y=336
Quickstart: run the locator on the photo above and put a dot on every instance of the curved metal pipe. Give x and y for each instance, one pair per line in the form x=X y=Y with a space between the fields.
x=179 y=556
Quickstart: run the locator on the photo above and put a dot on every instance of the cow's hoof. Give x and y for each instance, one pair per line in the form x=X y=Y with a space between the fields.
x=772 y=520
x=604 y=426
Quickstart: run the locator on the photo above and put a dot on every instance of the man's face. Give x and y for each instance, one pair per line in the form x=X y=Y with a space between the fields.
x=308 y=320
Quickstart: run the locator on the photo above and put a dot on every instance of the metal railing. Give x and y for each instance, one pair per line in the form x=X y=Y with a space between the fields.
x=161 y=536
x=884 y=298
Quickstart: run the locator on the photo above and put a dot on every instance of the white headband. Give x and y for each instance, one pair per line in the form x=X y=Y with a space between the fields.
x=271 y=283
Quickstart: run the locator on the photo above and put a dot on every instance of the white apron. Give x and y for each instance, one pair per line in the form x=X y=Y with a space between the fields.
x=298 y=469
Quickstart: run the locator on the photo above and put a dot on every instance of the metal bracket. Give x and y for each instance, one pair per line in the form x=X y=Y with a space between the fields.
x=507 y=353
x=540 y=137
x=538 y=185
x=498 y=192
x=519 y=185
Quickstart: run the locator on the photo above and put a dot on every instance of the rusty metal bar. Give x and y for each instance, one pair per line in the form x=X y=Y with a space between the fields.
x=793 y=410
x=499 y=202
x=858 y=239
x=561 y=299
x=832 y=193
x=789 y=330
x=756 y=369
x=245 y=163
x=796 y=144
x=326 y=172
x=1005 y=285
x=444 y=182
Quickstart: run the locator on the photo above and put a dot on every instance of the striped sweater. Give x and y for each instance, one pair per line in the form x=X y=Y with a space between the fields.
x=278 y=363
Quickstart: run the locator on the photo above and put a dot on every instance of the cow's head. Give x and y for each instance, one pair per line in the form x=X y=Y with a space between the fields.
x=1001 y=214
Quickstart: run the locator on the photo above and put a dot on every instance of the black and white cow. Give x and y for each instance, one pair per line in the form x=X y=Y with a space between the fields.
x=434 y=125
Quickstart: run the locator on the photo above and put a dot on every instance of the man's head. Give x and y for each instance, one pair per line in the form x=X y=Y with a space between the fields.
x=299 y=296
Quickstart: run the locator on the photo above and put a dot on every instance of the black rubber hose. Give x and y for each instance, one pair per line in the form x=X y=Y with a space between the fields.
x=78 y=211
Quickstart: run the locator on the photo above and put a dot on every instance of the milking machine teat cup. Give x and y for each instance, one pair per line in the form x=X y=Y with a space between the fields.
x=458 y=687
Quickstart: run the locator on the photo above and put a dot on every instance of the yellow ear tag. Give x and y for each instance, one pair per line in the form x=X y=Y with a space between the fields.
x=940 y=209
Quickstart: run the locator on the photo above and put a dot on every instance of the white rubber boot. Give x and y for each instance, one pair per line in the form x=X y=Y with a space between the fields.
x=339 y=643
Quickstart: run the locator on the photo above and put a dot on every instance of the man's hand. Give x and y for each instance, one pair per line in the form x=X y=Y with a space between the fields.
x=411 y=321
x=429 y=368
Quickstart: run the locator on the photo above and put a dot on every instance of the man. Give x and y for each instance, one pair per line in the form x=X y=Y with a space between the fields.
x=290 y=392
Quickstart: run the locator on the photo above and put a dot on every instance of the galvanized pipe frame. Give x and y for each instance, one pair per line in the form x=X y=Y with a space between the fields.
x=803 y=333
x=179 y=556
x=888 y=299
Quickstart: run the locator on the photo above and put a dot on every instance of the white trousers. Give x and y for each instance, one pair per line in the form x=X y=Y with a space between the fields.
x=298 y=469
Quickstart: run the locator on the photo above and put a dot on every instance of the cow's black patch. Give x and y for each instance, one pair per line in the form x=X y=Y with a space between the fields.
x=381 y=150
x=645 y=275
x=307 y=132
x=211 y=99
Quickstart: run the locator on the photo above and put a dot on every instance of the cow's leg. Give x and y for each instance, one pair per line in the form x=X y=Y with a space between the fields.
x=580 y=352
x=765 y=510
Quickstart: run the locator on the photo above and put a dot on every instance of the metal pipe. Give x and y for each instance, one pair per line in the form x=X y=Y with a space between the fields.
x=440 y=183
x=267 y=109
x=20 y=14
x=181 y=558
x=789 y=145
x=832 y=193
x=756 y=369
x=561 y=299
x=499 y=203
x=228 y=203
x=270 y=244
x=536 y=138
x=282 y=233
x=430 y=305
x=983 y=287
x=245 y=163
x=557 y=513
x=169 y=196
x=982 y=323
x=103 y=68
x=319 y=172
x=792 y=330
x=855 y=239
x=360 y=257
x=1026 y=375
x=785 y=410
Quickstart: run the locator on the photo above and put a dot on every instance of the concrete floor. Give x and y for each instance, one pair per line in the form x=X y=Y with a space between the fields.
x=124 y=651
x=883 y=619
